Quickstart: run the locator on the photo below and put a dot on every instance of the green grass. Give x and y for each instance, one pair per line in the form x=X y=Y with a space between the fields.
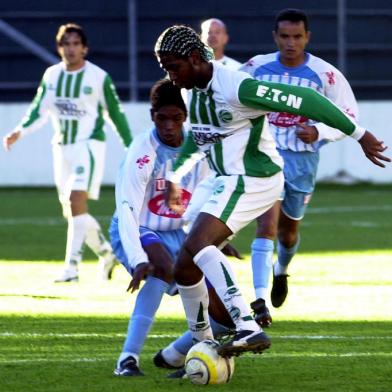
x=334 y=333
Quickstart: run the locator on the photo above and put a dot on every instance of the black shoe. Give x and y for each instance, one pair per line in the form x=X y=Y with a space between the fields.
x=244 y=341
x=180 y=373
x=128 y=367
x=261 y=313
x=279 y=290
x=160 y=361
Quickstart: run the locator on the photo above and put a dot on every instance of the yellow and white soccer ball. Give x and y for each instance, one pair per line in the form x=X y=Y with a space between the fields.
x=203 y=364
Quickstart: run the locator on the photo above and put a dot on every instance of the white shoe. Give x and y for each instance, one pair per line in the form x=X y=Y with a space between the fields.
x=106 y=266
x=68 y=275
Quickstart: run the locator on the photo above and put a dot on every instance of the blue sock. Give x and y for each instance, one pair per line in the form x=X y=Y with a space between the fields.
x=147 y=304
x=262 y=251
x=284 y=257
x=185 y=342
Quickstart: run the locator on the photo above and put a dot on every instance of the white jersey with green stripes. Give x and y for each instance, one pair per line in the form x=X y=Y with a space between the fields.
x=231 y=135
x=78 y=104
x=229 y=124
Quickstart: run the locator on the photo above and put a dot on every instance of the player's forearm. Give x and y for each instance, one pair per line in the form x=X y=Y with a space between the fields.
x=297 y=100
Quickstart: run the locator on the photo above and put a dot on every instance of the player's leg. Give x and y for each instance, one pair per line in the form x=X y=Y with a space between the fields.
x=242 y=200
x=158 y=249
x=173 y=356
x=262 y=253
x=74 y=204
x=300 y=175
x=95 y=239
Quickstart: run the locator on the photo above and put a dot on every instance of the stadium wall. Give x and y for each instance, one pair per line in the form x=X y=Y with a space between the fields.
x=29 y=163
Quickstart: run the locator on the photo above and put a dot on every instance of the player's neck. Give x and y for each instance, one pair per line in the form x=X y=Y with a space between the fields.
x=218 y=54
x=293 y=62
x=205 y=75
x=75 y=66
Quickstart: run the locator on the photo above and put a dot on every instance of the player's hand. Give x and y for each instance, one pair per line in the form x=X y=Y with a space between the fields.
x=307 y=133
x=373 y=149
x=140 y=273
x=10 y=139
x=173 y=198
x=229 y=250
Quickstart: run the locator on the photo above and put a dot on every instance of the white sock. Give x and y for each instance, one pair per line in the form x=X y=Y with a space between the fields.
x=172 y=356
x=218 y=271
x=126 y=355
x=76 y=235
x=95 y=239
x=261 y=292
x=280 y=269
x=195 y=301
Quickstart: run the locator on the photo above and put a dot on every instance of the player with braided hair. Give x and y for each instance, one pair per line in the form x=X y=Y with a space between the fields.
x=227 y=114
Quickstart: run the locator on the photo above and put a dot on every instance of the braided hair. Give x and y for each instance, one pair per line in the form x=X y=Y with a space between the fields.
x=181 y=40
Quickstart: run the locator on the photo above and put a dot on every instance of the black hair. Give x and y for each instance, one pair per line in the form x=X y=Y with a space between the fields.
x=291 y=15
x=70 y=28
x=164 y=93
x=181 y=40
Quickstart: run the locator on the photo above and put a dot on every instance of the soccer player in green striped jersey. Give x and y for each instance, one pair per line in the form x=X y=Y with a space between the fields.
x=227 y=112
x=76 y=95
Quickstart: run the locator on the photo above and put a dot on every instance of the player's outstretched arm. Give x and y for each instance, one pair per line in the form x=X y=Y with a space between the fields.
x=10 y=139
x=373 y=148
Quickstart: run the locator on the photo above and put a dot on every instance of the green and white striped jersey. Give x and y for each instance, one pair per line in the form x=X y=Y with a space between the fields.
x=229 y=124
x=78 y=104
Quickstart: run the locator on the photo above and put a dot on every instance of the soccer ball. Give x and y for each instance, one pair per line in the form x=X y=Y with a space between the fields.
x=203 y=364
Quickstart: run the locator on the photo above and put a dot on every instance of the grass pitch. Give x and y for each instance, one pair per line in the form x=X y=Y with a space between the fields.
x=334 y=333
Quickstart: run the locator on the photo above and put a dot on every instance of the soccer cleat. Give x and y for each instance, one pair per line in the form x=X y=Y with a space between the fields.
x=261 y=313
x=245 y=341
x=68 y=275
x=128 y=368
x=106 y=266
x=160 y=361
x=180 y=373
x=279 y=290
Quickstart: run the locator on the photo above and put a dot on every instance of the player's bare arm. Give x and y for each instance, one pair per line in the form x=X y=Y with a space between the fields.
x=372 y=147
x=10 y=139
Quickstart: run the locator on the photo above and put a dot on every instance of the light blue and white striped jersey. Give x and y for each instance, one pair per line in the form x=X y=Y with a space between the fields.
x=314 y=73
x=140 y=191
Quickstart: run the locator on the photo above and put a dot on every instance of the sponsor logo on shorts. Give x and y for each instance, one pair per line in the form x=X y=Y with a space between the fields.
x=307 y=198
x=276 y=95
x=219 y=189
x=79 y=170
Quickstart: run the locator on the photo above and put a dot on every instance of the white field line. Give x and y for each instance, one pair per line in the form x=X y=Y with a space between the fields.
x=172 y=336
x=50 y=221
x=75 y=359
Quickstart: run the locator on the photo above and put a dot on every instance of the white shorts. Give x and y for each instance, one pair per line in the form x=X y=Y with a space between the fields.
x=238 y=200
x=79 y=167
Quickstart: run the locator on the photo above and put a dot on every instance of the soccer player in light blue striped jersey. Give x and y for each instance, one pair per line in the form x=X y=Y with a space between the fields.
x=298 y=140
x=77 y=95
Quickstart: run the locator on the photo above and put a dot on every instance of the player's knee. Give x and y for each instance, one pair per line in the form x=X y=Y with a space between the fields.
x=164 y=272
x=288 y=239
